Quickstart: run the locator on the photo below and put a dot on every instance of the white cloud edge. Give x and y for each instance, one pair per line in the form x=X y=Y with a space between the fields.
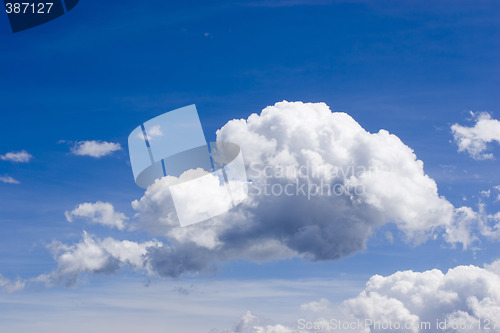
x=17 y=156
x=459 y=232
x=474 y=140
x=9 y=180
x=463 y=295
x=98 y=212
x=95 y=148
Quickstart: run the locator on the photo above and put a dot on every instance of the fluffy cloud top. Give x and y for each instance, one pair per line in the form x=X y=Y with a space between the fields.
x=375 y=171
x=95 y=148
x=250 y=323
x=18 y=157
x=466 y=297
x=8 y=180
x=474 y=139
x=100 y=212
x=465 y=294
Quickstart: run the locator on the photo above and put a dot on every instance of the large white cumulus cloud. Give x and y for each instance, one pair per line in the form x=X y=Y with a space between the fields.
x=377 y=171
x=319 y=185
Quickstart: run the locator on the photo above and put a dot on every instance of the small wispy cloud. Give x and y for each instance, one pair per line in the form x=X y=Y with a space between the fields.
x=93 y=255
x=8 y=180
x=17 y=156
x=94 y=148
x=474 y=139
x=11 y=286
x=151 y=133
x=100 y=212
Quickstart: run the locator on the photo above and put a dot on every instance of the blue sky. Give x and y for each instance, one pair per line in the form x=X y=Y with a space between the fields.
x=99 y=71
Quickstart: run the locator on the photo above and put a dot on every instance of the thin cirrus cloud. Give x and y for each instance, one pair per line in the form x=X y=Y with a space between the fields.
x=474 y=140
x=8 y=180
x=17 y=156
x=100 y=213
x=95 y=148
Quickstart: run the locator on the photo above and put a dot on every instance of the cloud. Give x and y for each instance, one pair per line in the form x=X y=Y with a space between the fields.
x=250 y=323
x=490 y=225
x=152 y=133
x=474 y=139
x=407 y=301
x=465 y=294
x=18 y=157
x=317 y=306
x=92 y=255
x=94 y=148
x=486 y=194
x=11 y=286
x=8 y=180
x=319 y=186
x=469 y=224
x=463 y=227
x=100 y=212
x=494 y=267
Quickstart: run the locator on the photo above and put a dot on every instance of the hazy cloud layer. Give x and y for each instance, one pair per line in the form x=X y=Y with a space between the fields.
x=474 y=140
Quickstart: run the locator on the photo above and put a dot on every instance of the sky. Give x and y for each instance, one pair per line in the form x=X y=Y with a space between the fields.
x=408 y=89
